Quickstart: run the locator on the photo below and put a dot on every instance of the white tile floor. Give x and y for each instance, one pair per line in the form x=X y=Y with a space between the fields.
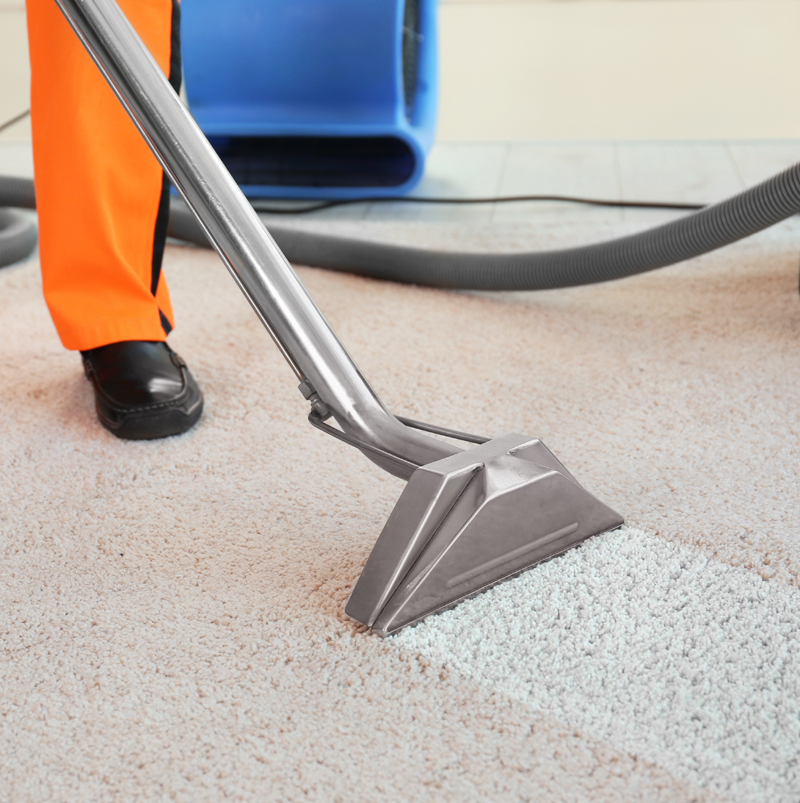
x=16 y=158
x=670 y=171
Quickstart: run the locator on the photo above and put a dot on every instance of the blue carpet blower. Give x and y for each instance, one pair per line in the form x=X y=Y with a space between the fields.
x=314 y=98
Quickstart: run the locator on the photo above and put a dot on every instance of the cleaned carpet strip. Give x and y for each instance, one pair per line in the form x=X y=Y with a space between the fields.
x=685 y=661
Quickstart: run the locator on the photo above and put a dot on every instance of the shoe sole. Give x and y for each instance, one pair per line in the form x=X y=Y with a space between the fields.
x=163 y=424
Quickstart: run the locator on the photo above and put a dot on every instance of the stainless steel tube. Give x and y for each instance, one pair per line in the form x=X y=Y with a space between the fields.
x=251 y=255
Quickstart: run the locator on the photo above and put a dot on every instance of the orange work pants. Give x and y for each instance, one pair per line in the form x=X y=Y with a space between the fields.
x=101 y=195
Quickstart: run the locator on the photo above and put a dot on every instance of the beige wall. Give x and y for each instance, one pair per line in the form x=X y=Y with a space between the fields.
x=14 y=71
x=582 y=69
x=620 y=69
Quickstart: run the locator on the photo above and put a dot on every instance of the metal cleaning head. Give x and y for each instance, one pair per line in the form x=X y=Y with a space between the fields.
x=468 y=521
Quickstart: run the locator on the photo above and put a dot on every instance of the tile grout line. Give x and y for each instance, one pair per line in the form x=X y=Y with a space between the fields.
x=735 y=164
x=501 y=178
x=620 y=187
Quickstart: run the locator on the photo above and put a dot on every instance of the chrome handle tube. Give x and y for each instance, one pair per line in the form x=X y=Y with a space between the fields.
x=254 y=260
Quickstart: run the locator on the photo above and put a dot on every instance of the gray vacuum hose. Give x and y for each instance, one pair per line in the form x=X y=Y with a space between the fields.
x=698 y=233
x=17 y=232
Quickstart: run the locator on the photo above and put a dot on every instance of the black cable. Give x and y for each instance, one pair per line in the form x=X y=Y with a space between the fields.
x=18 y=235
x=13 y=120
x=262 y=205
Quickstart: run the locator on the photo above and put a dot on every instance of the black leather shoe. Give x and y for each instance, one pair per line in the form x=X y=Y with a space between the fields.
x=142 y=389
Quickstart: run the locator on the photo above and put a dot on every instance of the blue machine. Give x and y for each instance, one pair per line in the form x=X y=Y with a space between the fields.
x=314 y=98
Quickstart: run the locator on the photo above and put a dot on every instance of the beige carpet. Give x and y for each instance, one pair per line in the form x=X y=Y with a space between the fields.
x=171 y=613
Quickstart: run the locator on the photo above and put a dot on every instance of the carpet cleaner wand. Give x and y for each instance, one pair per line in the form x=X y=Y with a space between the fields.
x=467 y=518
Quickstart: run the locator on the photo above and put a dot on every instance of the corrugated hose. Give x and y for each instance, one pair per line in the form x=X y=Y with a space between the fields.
x=697 y=233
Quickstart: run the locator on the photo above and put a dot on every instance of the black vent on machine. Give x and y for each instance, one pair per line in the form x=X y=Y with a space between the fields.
x=411 y=39
x=316 y=161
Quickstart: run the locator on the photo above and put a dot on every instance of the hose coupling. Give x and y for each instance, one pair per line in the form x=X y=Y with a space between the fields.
x=311 y=396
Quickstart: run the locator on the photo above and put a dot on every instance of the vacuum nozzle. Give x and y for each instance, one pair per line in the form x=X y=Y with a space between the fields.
x=468 y=521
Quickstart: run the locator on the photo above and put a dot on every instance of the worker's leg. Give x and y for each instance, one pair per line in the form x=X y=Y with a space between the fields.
x=103 y=205
x=99 y=190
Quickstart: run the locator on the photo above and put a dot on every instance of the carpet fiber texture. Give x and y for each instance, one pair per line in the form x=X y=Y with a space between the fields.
x=172 y=622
